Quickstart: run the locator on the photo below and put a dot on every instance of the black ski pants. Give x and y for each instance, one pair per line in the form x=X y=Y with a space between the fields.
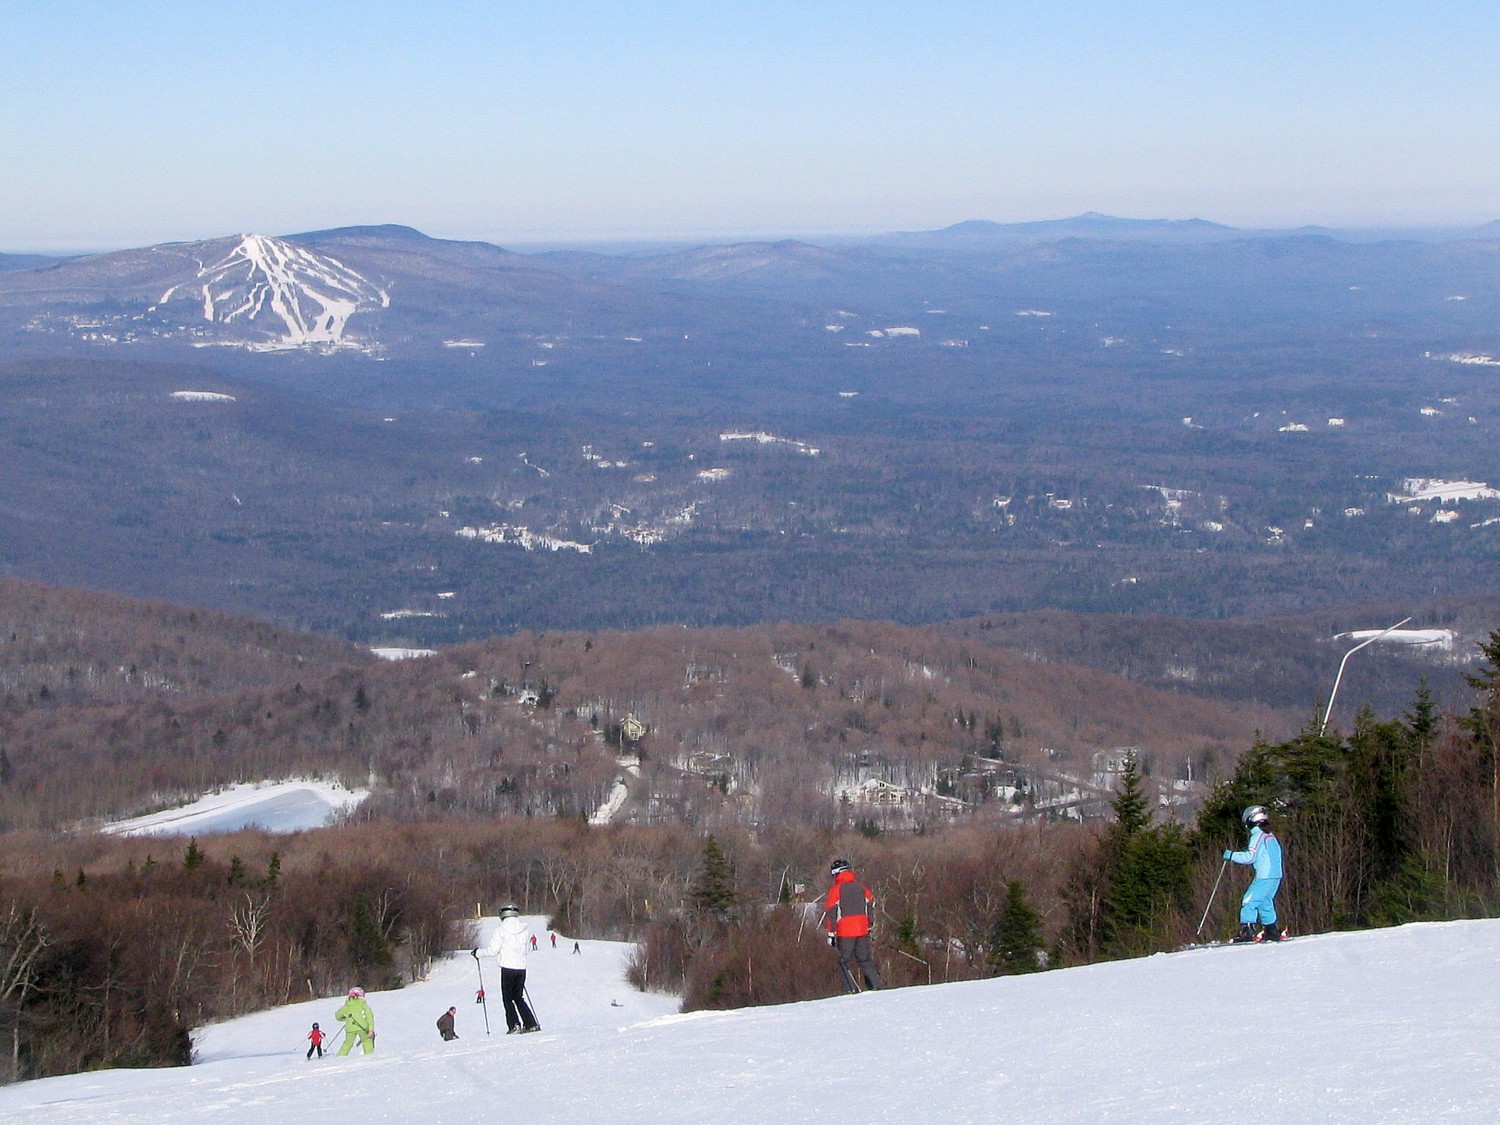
x=518 y=1014
x=856 y=949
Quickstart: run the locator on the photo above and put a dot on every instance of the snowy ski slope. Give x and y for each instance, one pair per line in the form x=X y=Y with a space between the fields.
x=1382 y=1026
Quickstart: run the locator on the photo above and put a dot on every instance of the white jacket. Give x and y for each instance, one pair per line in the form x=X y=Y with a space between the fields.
x=511 y=942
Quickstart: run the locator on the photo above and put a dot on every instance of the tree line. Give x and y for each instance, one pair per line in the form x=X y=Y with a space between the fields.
x=1393 y=821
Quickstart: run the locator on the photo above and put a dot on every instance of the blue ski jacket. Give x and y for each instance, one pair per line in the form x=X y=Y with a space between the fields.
x=1264 y=854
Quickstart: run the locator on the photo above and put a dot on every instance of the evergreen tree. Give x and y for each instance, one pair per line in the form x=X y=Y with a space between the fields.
x=1148 y=888
x=1017 y=945
x=1483 y=719
x=368 y=949
x=193 y=858
x=1146 y=873
x=1131 y=809
x=713 y=891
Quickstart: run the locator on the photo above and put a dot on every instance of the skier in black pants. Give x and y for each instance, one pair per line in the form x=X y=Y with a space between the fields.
x=511 y=943
x=846 y=914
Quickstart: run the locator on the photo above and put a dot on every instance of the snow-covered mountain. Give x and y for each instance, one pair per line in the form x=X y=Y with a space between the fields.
x=353 y=289
x=1379 y=1026
x=250 y=290
x=293 y=295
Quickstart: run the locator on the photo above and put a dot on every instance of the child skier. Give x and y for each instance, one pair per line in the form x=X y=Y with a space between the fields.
x=315 y=1037
x=1264 y=854
x=358 y=1021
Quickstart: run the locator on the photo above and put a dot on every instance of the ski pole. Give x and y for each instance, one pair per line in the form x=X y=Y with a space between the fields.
x=534 y=1018
x=334 y=1042
x=1211 y=895
x=483 y=1000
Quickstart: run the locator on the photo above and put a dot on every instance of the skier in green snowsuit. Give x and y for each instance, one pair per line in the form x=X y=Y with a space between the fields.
x=358 y=1021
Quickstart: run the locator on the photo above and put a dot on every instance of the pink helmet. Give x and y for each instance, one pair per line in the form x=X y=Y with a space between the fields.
x=356 y=992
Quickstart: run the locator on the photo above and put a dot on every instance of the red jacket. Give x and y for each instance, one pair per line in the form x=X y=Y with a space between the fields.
x=847 y=907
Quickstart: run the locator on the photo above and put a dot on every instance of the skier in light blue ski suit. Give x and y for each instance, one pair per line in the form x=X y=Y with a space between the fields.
x=1264 y=854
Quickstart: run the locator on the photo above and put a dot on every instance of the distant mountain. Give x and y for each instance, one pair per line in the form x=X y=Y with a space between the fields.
x=354 y=290
x=258 y=292
x=10 y=262
x=392 y=292
x=982 y=233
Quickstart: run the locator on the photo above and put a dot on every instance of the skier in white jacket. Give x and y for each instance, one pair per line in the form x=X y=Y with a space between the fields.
x=511 y=942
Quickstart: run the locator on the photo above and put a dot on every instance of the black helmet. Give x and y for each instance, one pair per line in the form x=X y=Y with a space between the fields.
x=1255 y=814
x=837 y=866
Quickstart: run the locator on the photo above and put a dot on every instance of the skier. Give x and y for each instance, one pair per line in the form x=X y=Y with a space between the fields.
x=1259 y=903
x=510 y=943
x=445 y=1024
x=358 y=1021
x=554 y=941
x=315 y=1037
x=846 y=913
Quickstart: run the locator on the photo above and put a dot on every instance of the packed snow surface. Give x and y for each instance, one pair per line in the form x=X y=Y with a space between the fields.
x=1379 y=1026
x=274 y=806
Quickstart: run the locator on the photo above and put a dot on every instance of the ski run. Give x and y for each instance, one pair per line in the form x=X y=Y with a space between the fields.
x=1370 y=1027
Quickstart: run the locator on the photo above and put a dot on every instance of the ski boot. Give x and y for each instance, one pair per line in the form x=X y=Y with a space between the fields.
x=1272 y=932
x=1247 y=934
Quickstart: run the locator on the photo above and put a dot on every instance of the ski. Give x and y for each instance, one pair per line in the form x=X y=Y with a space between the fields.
x=1227 y=941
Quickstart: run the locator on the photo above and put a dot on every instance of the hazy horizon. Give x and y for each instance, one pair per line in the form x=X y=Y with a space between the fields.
x=592 y=122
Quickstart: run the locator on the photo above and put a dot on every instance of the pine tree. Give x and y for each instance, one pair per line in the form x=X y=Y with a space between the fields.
x=1017 y=945
x=1146 y=875
x=713 y=891
x=193 y=858
x=368 y=949
x=1132 y=811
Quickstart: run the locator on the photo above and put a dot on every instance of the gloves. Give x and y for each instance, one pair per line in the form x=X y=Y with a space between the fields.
x=1228 y=853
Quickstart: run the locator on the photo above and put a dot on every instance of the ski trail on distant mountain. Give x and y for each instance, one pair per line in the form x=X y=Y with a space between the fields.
x=312 y=295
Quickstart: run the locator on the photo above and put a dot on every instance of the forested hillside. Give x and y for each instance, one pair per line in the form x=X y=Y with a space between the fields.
x=809 y=724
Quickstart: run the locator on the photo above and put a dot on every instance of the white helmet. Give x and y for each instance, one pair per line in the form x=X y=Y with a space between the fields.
x=1255 y=814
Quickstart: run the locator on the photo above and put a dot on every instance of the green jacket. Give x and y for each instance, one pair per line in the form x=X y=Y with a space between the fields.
x=356 y=1016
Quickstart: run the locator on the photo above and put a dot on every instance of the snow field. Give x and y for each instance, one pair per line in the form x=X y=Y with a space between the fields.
x=275 y=806
x=1372 y=1027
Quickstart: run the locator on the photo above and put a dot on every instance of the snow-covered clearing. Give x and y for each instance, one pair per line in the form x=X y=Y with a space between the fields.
x=1442 y=638
x=618 y=795
x=1423 y=488
x=275 y=806
x=1380 y=1026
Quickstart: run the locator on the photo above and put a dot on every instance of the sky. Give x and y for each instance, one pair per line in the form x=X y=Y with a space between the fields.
x=128 y=124
x=1379 y=1027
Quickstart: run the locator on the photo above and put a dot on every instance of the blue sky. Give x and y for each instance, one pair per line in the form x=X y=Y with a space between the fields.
x=134 y=123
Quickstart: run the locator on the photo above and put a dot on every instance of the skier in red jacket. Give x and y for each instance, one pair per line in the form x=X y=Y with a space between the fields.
x=846 y=914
